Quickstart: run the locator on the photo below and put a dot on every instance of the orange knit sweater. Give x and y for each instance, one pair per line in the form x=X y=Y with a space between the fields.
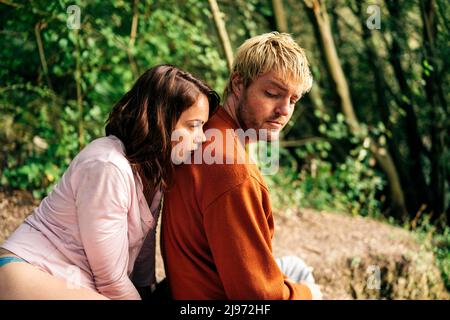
x=217 y=228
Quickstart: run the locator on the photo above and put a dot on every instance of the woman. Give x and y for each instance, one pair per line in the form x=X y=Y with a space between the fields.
x=93 y=236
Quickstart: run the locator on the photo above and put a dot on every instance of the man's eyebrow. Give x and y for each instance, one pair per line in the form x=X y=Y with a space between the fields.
x=282 y=87
x=277 y=84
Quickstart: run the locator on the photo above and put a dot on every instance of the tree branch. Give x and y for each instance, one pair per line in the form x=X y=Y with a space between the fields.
x=222 y=31
x=134 y=25
x=37 y=32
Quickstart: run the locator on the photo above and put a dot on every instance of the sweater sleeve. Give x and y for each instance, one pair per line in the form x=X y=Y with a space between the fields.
x=237 y=225
x=102 y=201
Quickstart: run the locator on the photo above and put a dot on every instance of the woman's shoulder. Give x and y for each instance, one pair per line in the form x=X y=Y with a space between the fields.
x=103 y=151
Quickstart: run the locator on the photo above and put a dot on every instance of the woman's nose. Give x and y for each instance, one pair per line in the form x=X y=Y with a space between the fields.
x=203 y=137
x=200 y=138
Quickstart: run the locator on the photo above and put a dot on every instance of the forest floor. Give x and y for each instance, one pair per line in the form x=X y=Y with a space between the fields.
x=352 y=257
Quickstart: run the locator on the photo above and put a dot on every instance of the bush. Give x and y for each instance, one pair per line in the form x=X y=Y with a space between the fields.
x=436 y=240
x=350 y=186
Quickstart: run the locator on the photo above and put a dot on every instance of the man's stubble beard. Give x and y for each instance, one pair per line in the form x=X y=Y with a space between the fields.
x=240 y=113
x=247 y=121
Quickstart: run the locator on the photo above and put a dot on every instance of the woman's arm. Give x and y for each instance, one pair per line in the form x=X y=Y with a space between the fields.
x=102 y=199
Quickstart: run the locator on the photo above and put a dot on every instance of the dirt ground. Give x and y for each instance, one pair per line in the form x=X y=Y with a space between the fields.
x=343 y=251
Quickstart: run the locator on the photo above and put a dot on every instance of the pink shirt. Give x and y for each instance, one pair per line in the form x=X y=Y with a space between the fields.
x=91 y=228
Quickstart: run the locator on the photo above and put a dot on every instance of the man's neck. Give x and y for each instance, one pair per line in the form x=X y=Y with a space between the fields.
x=230 y=106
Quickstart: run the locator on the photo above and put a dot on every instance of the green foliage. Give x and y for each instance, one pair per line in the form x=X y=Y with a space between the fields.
x=45 y=121
x=437 y=240
x=352 y=186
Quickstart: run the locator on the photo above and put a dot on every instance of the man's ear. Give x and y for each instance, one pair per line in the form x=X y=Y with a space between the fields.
x=236 y=85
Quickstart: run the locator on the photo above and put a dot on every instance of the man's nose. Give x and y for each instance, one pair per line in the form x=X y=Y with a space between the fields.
x=283 y=108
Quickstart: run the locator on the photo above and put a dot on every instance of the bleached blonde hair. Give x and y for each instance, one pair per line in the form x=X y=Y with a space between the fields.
x=271 y=51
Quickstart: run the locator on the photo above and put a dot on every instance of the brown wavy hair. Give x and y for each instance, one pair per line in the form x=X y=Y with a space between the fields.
x=145 y=117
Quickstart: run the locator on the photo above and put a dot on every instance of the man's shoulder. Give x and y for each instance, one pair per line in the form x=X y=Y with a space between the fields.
x=208 y=182
x=217 y=175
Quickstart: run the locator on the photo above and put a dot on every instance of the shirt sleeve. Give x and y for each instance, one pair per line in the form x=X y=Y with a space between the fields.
x=237 y=226
x=102 y=200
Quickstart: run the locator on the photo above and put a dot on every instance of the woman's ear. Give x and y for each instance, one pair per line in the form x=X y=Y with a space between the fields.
x=236 y=85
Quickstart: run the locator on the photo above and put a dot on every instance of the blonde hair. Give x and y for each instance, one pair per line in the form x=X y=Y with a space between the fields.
x=274 y=50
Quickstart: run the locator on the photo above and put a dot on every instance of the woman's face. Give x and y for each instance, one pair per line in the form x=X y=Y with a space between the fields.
x=188 y=134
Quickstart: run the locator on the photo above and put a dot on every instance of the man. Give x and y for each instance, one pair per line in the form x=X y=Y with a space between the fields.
x=217 y=223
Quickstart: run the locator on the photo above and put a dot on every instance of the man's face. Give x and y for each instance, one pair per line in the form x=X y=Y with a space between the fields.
x=267 y=103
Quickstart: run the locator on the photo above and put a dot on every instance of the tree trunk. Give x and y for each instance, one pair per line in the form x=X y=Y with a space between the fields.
x=81 y=140
x=280 y=18
x=417 y=184
x=381 y=155
x=437 y=103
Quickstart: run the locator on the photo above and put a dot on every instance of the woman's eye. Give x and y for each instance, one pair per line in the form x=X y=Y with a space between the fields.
x=195 y=125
